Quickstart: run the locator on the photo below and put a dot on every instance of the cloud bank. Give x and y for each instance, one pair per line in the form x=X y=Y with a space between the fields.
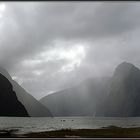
x=48 y=46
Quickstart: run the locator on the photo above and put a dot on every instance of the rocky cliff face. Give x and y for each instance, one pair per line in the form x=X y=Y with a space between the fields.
x=123 y=99
x=33 y=107
x=9 y=104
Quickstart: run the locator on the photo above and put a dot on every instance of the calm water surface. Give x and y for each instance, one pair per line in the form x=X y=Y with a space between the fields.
x=36 y=124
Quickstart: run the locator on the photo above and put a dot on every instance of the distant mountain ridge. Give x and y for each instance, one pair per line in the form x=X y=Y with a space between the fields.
x=80 y=100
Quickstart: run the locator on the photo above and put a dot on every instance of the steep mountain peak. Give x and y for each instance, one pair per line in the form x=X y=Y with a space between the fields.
x=123 y=97
x=125 y=68
x=126 y=64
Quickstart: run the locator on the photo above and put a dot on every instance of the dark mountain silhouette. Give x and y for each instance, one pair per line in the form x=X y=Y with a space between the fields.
x=33 y=107
x=80 y=100
x=123 y=99
x=9 y=104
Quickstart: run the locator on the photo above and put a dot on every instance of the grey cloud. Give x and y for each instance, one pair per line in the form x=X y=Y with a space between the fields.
x=110 y=30
x=37 y=24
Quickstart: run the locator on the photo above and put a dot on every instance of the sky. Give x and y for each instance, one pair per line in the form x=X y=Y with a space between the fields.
x=49 y=46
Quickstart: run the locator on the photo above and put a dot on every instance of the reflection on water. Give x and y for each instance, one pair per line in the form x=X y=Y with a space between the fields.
x=36 y=124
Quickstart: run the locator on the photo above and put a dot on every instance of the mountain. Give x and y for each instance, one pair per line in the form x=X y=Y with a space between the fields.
x=123 y=99
x=118 y=96
x=9 y=104
x=80 y=100
x=33 y=107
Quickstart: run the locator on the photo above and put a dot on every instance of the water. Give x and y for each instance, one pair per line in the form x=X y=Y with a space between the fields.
x=37 y=124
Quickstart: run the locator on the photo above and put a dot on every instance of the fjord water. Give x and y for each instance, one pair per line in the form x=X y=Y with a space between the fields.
x=39 y=124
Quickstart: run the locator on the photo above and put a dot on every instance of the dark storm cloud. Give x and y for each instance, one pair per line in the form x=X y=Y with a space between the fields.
x=37 y=36
x=35 y=24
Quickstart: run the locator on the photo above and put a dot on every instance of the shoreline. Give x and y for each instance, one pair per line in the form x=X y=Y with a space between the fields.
x=104 y=132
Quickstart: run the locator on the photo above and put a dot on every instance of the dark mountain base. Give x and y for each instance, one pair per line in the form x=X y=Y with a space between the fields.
x=12 y=94
x=9 y=104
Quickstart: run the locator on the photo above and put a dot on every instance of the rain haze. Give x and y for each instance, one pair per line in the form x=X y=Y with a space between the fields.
x=49 y=46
